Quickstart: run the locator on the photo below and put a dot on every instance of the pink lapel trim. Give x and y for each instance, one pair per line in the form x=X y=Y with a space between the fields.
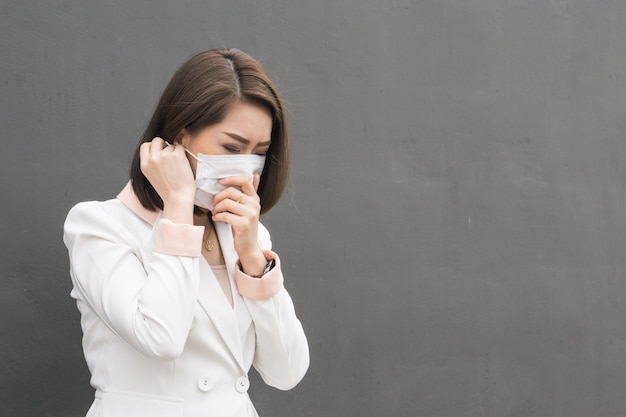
x=130 y=200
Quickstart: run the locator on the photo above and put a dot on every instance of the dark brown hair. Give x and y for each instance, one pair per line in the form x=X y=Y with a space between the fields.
x=199 y=95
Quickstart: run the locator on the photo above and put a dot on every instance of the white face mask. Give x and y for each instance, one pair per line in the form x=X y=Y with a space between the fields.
x=211 y=168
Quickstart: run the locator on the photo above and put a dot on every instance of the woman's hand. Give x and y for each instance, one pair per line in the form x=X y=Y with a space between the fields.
x=168 y=170
x=241 y=209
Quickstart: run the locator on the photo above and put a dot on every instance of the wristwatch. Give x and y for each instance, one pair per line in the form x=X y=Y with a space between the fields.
x=268 y=268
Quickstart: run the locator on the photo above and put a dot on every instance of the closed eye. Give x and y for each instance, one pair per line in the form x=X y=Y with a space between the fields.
x=232 y=149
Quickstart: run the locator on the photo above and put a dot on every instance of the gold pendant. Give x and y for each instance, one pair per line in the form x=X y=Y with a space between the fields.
x=208 y=245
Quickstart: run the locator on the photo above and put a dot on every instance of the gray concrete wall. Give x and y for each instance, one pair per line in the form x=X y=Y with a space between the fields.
x=454 y=232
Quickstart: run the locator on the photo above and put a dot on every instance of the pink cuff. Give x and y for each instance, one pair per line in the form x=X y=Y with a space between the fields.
x=178 y=239
x=260 y=288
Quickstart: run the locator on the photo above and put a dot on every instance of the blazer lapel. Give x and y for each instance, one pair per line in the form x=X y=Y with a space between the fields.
x=225 y=235
x=212 y=300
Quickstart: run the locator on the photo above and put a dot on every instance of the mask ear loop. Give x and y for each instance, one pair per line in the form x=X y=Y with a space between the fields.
x=194 y=157
x=186 y=150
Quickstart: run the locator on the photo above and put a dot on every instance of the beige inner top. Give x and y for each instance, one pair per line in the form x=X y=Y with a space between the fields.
x=222 y=277
x=212 y=252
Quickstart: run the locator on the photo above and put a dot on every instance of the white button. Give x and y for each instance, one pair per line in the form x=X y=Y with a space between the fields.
x=204 y=383
x=242 y=384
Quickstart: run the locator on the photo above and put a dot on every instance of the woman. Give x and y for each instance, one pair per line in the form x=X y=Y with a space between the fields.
x=178 y=288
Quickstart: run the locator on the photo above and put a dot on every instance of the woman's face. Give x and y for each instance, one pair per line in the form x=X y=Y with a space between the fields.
x=246 y=129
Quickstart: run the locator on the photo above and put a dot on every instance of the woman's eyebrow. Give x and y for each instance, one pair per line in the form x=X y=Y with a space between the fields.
x=244 y=140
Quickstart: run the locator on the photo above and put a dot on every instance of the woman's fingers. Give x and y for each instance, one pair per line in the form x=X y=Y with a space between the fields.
x=256 y=180
x=239 y=206
x=167 y=169
x=149 y=152
x=237 y=202
x=248 y=187
x=240 y=191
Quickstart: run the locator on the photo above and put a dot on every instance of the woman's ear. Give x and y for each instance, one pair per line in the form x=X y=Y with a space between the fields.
x=182 y=137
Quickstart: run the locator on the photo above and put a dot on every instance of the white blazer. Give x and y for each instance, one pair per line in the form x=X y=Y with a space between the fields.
x=159 y=336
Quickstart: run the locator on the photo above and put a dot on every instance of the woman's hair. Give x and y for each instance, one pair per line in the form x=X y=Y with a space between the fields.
x=199 y=95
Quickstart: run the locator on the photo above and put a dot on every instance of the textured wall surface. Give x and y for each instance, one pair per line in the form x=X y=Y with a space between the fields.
x=454 y=232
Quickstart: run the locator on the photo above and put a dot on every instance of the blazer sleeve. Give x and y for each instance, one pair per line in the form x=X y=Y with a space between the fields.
x=148 y=301
x=282 y=353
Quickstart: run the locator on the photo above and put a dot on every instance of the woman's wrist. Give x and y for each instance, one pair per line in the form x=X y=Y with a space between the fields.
x=253 y=265
x=179 y=211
